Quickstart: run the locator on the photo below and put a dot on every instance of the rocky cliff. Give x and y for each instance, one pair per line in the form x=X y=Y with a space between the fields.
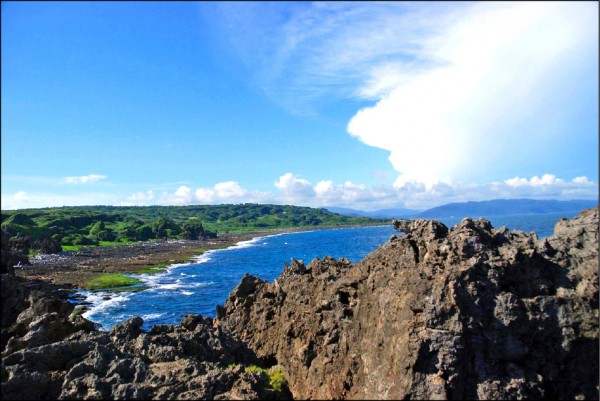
x=434 y=313
x=49 y=352
x=470 y=312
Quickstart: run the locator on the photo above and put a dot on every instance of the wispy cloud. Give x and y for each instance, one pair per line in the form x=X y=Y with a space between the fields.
x=301 y=52
x=84 y=179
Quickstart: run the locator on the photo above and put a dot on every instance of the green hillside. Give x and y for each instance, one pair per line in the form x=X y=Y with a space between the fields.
x=101 y=225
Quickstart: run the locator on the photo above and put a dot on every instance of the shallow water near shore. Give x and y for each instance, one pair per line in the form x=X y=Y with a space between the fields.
x=197 y=287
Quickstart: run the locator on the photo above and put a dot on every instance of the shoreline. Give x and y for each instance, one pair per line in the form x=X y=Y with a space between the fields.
x=74 y=269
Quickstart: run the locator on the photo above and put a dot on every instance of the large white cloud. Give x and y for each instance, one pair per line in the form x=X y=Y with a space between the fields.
x=495 y=67
x=464 y=91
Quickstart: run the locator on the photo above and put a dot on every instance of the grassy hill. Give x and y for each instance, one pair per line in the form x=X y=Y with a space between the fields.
x=93 y=225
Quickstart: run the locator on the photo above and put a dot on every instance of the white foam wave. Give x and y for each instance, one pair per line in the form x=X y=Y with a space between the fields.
x=172 y=286
x=187 y=293
x=100 y=305
x=152 y=316
x=179 y=286
x=176 y=265
x=248 y=243
x=202 y=258
x=196 y=285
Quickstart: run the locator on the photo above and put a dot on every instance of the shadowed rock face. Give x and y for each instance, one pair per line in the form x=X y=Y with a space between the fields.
x=468 y=312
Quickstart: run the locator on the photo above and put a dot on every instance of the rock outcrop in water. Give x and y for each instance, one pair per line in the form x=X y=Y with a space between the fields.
x=436 y=313
x=470 y=312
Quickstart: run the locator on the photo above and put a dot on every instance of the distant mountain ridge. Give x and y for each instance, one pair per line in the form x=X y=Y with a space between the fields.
x=502 y=207
x=496 y=207
x=375 y=214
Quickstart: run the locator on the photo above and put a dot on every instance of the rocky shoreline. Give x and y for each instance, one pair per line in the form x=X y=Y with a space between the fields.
x=468 y=312
x=74 y=269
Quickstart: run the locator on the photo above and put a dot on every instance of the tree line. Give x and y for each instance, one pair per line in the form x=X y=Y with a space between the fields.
x=49 y=230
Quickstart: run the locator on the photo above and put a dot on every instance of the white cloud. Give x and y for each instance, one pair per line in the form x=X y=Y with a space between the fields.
x=141 y=198
x=495 y=66
x=20 y=196
x=461 y=88
x=547 y=179
x=182 y=196
x=417 y=195
x=582 y=180
x=223 y=192
x=84 y=179
x=294 y=187
x=229 y=189
x=26 y=200
x=290 y=189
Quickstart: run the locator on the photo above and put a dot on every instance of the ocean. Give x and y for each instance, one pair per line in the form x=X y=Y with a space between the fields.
x=197 y=287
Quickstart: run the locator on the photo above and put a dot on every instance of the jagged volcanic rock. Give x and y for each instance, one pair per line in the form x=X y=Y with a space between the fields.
x=50 y=353
x=470 y=312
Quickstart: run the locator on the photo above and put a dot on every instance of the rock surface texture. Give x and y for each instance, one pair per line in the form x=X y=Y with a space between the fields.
x=470 y=312
x=50 y=353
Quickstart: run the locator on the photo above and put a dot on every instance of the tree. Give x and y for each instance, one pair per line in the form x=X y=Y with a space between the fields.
x=192 y=229
x=161 y=225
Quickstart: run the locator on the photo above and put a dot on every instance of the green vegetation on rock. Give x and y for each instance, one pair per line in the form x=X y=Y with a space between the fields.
x=153 y=269
x=276 y=378
x=111 y=281
x=79 y=310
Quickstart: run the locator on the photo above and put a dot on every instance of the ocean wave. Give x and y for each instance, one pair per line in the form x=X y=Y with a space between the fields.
x=152 y=316
x=201 y=258
x=100 y=305
x=171 y=286
x=187 y=293
x=197 y=285
x=177 y=286
x=246 y=244
x=178 y=265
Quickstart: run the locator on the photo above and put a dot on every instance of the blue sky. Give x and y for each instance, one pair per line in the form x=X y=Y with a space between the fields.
x=364 y=105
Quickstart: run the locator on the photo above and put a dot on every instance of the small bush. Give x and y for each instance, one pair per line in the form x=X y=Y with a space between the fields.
x=277 y=380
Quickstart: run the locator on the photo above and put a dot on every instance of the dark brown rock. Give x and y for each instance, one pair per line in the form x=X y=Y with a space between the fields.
x=47 y=246
x=471 y=312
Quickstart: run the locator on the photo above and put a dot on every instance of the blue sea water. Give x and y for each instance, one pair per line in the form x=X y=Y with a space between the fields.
x=199 y=286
